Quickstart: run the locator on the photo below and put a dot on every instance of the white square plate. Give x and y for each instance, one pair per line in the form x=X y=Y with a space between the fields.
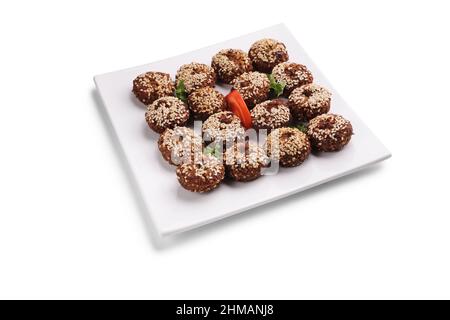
x=174 y=209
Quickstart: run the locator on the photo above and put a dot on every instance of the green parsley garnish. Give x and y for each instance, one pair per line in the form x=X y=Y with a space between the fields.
x=303 y=127
x=213 y=150
x=180 y=91
x=276 y=88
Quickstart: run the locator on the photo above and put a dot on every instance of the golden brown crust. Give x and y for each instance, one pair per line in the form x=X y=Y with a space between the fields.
x=245 y=161
x=201 y=176
x=180 y=145
x=196 y=75
x=230 y=63
x=265 y=54
x=309 y=101
x=206 y=101
x=254 y=87
x=271 y=114
x=223 y=127
x=293 y=75
x=166 y=112
x=329 y=132
x=151 y=86
x=289 y=146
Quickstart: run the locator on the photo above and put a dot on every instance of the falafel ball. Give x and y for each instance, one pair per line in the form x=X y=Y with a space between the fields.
x=244 y=161
x=293 y=75
x=195 y=75
x=254 y=87
x=223 y=127
x=180 y=145
x=151 y=86
x=206 y=101
x=166 y=112
x=289 y=146
x=271 y=114
x=230 y=63
x=201 y=176
x=265 y=54
x=329 y=132
x=309 y=101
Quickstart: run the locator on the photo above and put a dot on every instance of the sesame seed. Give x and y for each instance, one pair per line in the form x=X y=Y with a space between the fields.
x=196 y=75
x=223 y=126
x=270 y=115
x=167 y=112
x=292 y=74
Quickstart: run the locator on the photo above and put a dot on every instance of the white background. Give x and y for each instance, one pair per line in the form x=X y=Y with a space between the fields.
x=70 y=223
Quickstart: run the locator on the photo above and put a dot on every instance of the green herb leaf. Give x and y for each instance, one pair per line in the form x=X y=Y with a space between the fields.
x=180 y=91
x=303 y=127
x=213 y=150
x=276 y=88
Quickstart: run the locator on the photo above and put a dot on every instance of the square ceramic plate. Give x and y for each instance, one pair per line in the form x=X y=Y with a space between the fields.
x=174 y=209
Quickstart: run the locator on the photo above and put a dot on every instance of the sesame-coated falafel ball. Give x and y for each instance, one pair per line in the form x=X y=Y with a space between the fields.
x=201 y=176
x=206 y=101
x=223 y=127
x=180 y=145
x=195 y=75
x=293 y=75
x=230 y=63
x=265 y=54
x=244 y=161
x=271 y=114
x=329 y=132
x=151 y=86
x=166 y=112
x=254 y=87
x=309 y=101
x=289 y=146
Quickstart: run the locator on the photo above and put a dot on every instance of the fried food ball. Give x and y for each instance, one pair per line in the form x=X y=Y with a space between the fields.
x=223 y=127
x=230 y=63
x=329 y=132
x=289 y=146
x=309 y=101
x=206 y=101
x=166 y=112
x=244 y=161
x=195 y=75
x=151 y=86
x=271 y=114
x=201 y=176
x=265 y=54
x=180 y=145
x=293 y=75
x=254 y=87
